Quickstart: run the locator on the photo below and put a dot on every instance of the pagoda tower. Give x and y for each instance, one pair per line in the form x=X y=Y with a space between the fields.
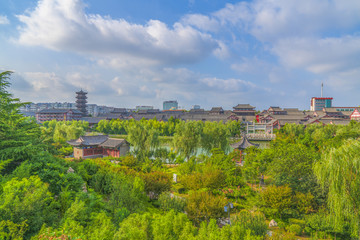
x=81 y=102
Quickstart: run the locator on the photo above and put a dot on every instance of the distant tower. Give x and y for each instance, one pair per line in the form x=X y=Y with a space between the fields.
x=322 y=86
x=81 y=102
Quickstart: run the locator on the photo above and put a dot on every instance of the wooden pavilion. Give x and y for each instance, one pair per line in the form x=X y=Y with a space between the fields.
x=242 y=145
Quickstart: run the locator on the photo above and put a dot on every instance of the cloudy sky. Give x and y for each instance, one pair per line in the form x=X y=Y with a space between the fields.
x=207 y=52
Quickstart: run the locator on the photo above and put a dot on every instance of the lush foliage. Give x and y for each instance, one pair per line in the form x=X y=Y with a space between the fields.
x=311 y=183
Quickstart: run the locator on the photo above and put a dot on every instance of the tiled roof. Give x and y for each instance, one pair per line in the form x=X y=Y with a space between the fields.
x=243 y=144
x=217 y=109
x=289 y=117
x=113 y=142
x=93 y=120
x=244 y=106
x=88 y=140
x=54 y=110
x=276 y=109
x=335 y=121
x=197 y=111
x=292 y=110
x=282 y=122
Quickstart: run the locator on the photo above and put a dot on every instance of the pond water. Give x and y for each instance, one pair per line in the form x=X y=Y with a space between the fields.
x=262 y=145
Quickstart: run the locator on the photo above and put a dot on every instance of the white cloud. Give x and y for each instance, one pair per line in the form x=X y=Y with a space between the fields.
x=4 y=20
x=345 y=82
x=64 y=25
x=222 y=52
x=41 y=81
x=320 y=55
x=269 y=20
x=201 y=22
x=231 y=85
x=44 y=86
x=318 y=36
x=235 y=14
x=51 y=86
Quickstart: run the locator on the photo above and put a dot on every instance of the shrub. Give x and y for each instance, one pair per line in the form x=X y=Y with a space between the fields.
x=179 y=188
x=299 y=222
x=168 y=202
x=212 y=179
x=276 y=200
x=295 y=228
x=304 y=202
x=251 y=221
x=156 y=183
x=129 y=161
x=282 y=236
x=204 y=206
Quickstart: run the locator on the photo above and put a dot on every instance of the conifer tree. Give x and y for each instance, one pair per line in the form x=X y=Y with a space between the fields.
x=19 y=136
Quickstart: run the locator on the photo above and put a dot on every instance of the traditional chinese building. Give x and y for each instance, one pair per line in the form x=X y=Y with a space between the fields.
x=276 y=111
x=81 y=102
x=244 y=110
x=216 y=111
x=99 y=146
x=58 y=115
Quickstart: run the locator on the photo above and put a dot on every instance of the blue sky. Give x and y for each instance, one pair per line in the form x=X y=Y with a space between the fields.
x=205 y=52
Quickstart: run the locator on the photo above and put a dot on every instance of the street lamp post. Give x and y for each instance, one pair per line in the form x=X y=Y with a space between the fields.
x=227 y=209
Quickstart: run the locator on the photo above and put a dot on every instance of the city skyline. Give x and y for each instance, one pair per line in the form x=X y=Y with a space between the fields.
x=199 y=52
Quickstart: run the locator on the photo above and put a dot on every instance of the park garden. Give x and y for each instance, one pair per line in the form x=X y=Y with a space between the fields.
x=306 y=185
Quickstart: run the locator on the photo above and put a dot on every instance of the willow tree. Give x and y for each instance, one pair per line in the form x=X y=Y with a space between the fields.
x=339 y=171
x=187 y=137
x=215 y=135
x=143 y=139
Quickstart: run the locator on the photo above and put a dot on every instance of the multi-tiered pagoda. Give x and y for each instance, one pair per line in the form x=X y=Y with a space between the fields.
x=81 y=102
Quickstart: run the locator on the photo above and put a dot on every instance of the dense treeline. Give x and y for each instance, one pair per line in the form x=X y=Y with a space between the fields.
x=311 y=184
x=163 y=128
x=186 y=138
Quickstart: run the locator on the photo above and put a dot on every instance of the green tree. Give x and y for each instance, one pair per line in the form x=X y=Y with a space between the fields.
x=27 y=200
x=202 y=206
x=339 y=171
x=136 y=227
x=170 y=226
x=187 y=137
x=171 y=202
x=156 y=182
x=143 y=139
x=211 y=178
x=10 y=230
x=126 y=192
x=20 y=137
x=276 y=200
x=215 y=135
x=101 y=227
x=51 y=170
x=234 y=128
x=292 y=164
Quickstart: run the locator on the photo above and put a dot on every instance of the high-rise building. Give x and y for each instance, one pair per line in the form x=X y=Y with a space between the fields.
x=81 y=102
x=195 y=107
x=318 y=103
x=170 y=105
